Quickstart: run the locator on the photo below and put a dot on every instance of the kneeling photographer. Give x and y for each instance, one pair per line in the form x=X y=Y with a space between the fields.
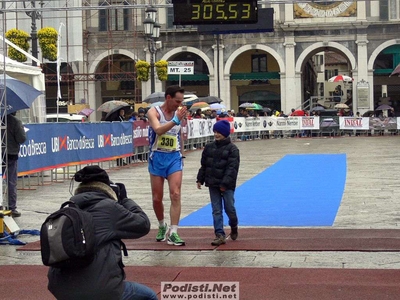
x=115 y=217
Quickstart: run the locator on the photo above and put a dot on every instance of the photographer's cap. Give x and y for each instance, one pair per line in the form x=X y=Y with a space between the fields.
x=92 y=173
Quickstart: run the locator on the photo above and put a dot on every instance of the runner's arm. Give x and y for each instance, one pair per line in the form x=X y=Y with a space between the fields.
x=154 y=121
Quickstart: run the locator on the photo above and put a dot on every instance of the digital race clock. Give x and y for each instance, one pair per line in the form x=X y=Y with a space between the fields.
x=197 y=12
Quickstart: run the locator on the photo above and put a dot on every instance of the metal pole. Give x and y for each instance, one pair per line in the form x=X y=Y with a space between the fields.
x=153 y=88
x=218 y=70
x=34 y=34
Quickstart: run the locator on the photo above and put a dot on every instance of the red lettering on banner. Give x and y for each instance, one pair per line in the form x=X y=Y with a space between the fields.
x=63 y=143
x=353 y=122
x=307 y=122
x=107 y=139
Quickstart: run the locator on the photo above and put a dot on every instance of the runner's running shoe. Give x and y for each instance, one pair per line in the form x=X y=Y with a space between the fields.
x=162 y=233
x=175 y=240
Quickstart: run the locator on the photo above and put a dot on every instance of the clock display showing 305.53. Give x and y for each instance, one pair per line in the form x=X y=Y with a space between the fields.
x=198 y=12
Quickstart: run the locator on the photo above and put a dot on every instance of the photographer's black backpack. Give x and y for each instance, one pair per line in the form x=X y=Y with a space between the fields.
x=67 y=238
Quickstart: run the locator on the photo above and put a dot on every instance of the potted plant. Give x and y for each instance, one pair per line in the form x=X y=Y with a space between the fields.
x=47 y=37
x=19 y=38
x=162 y=70
x=142 y=70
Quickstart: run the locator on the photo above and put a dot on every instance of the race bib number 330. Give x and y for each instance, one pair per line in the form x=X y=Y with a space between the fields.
x=167 y=142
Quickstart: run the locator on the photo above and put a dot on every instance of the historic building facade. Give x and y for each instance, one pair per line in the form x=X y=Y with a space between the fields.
x=277 y=69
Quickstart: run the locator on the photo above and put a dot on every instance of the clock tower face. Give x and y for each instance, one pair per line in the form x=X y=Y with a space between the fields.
x=327 y=9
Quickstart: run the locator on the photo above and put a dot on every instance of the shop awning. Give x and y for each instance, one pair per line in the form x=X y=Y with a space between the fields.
x=195 y=77
x=255 y=76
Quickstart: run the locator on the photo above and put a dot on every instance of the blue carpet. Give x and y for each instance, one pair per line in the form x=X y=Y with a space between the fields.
x=298 y=190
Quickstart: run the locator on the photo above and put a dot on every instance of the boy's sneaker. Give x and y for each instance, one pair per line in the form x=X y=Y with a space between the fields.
x=174 y=239
x=234 y=233
x=162 y=233
x=219 y=240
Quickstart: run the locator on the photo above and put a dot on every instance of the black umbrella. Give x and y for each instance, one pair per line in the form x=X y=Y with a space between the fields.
x=369 y=113
x=155 y=97
x=113 y=114
x=266 y=109
x=210 y=99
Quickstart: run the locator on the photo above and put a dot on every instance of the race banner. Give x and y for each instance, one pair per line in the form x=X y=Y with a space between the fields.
x=65 y=144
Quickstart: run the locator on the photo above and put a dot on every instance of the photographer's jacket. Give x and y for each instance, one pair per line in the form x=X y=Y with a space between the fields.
x=103 y=279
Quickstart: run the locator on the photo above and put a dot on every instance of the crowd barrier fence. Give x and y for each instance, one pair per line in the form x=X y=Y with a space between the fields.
x=54 y=152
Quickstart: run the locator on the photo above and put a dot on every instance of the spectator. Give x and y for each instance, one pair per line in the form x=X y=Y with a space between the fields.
x=121 y=115
x=241 y=112
x=15 y=137
x=219 y=170
x=198 y=114
x=142 y=114
x=133 y=117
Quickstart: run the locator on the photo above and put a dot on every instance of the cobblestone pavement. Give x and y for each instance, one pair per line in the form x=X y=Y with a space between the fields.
x=371 y=200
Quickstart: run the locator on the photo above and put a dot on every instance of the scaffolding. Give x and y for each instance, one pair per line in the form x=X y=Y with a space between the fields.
x=100 y=45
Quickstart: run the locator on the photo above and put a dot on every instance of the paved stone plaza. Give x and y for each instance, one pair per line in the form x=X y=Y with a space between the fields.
x=370 y=200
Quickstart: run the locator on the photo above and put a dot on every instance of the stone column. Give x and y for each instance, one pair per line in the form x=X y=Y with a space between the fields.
x=219 y=86
x=362 y=71
x=290 y=85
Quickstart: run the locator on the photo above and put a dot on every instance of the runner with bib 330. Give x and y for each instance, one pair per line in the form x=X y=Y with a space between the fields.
x=165 y=161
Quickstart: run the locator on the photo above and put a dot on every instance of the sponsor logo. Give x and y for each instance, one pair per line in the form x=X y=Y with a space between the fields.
x=66 y=143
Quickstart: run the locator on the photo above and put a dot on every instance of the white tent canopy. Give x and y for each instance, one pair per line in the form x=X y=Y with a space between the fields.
x=33 y=76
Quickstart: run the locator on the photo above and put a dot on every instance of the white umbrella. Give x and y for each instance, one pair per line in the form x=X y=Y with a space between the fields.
x=247 y=105
x=341 y=105
x=217 y=106
x=339 y=78
x=189 y=99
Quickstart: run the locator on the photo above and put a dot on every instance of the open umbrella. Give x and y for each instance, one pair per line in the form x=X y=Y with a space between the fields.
x=246 y=105
x=384 y=107
x=369 y=113
x=155 y=97
x=189 y=99
x=318 y=108
x=19 y=95
x=339 y=78
x=255 y=106
x=110 y=105
x=217 y=106
x=85 y=112
x=210 y=99
x=396 y=71
x=114 y=113
x=266 y=109
x=200 y=105
x=341 y=105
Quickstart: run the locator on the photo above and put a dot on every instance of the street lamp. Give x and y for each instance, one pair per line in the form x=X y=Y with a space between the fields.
x=152 y=33
x=34 y=15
